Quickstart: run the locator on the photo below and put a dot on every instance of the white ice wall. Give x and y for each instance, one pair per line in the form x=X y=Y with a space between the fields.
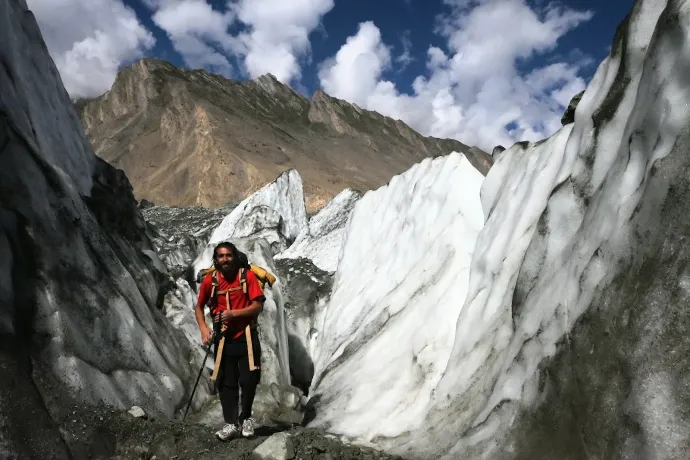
x=385 y=336
x=557 y=232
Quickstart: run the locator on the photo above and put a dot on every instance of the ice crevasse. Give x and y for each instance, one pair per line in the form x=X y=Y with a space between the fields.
x=451 y=292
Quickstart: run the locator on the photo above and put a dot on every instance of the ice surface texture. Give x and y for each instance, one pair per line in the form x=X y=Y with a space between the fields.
x=386 y=334
x=572 y=339
x=262 y=225
x=260 y=212
x=322 y=239
x=79 y=281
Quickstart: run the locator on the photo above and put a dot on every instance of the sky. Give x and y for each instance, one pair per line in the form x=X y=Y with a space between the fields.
x=485 y=72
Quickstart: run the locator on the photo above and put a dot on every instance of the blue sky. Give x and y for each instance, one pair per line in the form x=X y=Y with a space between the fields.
x=486 y=71
x=411 y=23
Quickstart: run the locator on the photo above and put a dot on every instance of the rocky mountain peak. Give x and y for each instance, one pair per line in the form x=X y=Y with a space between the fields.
x=190 y=137
x=270 y=83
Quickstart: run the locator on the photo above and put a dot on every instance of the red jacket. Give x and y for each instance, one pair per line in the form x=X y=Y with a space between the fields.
x=238 y=299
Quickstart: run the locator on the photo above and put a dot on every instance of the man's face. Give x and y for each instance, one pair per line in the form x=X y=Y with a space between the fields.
x=224 y=258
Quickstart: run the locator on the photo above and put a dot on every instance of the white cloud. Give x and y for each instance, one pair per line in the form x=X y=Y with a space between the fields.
x=194 y=28
x=278 y=35
x=354 y=72
x=475 y=90
x=275 y=36
x=89 y=40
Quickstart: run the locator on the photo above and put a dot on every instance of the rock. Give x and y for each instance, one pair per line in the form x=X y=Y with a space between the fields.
x=497 y=151
x=278 y=404
x=181 y=233
x=170 y=129
x=163 y=448
x=278 y=447
x=144 y=204
x=569 y=115
x=137 y=412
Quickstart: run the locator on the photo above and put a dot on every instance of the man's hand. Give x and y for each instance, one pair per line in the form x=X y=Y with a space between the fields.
x=205 y=335
x=225 y=316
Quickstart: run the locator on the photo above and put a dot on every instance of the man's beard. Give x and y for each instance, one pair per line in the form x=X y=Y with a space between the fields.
x=229 y=270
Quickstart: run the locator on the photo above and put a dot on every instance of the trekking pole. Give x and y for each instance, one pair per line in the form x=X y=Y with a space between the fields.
x=203 y=364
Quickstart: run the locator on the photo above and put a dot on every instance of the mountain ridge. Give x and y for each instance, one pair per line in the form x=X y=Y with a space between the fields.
x=190 y=137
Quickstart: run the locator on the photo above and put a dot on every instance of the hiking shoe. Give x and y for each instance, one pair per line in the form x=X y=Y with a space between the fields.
x=229 y=431
x=248 y=427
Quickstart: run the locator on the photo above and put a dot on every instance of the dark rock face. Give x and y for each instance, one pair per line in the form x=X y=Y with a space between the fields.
x=181 y=233
x=78 y=280
x=113 y=205
x=569 y=115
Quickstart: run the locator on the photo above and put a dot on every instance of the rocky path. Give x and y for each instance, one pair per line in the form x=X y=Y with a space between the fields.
x=106 y=433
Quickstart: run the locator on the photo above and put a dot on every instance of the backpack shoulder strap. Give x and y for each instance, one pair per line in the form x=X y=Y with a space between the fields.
x=214 y=288
x=243 y=280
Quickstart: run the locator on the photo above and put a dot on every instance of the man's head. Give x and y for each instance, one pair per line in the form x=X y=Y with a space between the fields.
x=225 y=259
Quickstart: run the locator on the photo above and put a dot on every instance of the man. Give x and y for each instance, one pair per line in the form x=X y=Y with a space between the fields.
x=234 y=371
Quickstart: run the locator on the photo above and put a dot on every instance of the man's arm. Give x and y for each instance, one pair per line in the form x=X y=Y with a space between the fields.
x=253 y=309
x=204 y=295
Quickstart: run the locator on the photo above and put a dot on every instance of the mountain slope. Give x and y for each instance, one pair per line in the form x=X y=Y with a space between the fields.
x=189 y=137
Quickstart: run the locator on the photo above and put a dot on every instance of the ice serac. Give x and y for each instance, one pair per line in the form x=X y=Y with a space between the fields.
x=573 y=339
x=260 y=226
x=385 y=336
x=264 y=224
x=306 y=288
x=79 y=279
x=277 y=210
x=322 y=239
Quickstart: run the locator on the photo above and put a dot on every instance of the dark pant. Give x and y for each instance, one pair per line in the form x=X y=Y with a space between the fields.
x=234 y=373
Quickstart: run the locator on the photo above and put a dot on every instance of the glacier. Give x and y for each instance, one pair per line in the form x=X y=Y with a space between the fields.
x=275 y=212
x=401 y=279
x=80 y=282
x=321 y=240
x=263 y=224
x=552 y=321
x=538 y=312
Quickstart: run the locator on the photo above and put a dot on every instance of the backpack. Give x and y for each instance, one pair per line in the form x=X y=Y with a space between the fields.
x=262 y=275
